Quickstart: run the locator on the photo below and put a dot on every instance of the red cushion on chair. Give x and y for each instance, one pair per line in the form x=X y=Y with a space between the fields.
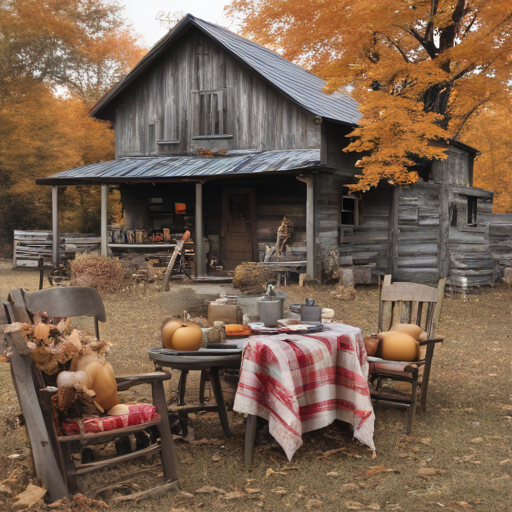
x=139 y=414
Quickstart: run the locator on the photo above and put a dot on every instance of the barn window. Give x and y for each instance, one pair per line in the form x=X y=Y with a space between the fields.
x=472 y=210
x=349 y=211
x=211 y=114
x=152 y=139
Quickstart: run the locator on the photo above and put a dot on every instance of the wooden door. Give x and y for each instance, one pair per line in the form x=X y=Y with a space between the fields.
x=238 y=226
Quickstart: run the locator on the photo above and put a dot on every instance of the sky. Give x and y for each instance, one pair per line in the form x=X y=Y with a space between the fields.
x=143 y=14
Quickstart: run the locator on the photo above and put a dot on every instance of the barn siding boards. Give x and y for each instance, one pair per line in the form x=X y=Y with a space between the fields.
x=259 y=117
x=457 y=169
x=334 y=140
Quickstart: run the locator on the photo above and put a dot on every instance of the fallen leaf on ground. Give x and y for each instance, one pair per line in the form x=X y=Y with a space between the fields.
x=349 y=487
x=424 y=472
x=477 y=440
x=375 y=470
x=404 y=455
x=425 y=440
x=184 y=495
x=331 y=452
x=30 y=496
x=332 y=473
x=354 y=505
x=506 y=461
x=4 y=489
x=234 y=495
x=373 y=506
x=314 y=504
x=279 y=490
x=250 y=490
x=208 y=489
x=468 y=409
x=216 y=458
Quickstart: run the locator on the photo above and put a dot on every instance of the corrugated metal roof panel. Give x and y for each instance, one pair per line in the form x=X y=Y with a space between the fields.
x=300 y=85
x=147 y=168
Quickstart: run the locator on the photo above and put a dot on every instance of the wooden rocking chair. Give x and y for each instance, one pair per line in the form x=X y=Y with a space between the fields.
x=407 y=303
x=52 y=453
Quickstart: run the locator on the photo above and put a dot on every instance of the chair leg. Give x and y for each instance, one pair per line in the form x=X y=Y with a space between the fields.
x=219 y=399
x=426 y=375
x=168 y=453
x=250 y=438
x=75 y=483
x=412 y=405
x=182 y=385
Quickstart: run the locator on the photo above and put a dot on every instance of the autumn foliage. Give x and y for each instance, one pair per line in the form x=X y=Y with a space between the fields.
x=421 y=69
x=56 y=58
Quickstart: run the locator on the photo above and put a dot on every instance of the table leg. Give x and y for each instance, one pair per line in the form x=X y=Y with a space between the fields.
x=202 y=384
x=250 y=439
x=182 y=386
x=219 y=399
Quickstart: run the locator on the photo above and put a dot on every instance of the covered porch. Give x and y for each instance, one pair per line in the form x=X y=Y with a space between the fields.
x=232 y=204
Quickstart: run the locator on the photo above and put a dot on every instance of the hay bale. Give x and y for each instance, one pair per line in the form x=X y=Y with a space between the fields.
x=252 y=278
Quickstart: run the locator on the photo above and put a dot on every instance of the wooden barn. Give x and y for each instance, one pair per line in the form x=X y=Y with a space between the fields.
x=219 y=134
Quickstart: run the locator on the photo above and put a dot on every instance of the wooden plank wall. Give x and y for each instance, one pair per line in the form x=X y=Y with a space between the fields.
x=368 y=242
x=500 y=241
x=418 y=224
x=455 y=170
x=471 y=261
x=259 y=116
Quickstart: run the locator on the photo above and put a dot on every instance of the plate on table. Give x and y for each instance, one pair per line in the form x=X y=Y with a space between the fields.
x=301 y=329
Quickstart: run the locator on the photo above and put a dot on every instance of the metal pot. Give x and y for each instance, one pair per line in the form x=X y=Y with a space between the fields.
x=270 y=311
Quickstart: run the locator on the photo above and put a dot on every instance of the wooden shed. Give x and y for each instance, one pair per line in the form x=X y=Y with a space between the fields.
x=243 y=137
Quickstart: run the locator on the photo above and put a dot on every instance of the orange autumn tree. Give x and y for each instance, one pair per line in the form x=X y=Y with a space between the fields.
x=419 y=68
x=56 y=58
x=491 y=132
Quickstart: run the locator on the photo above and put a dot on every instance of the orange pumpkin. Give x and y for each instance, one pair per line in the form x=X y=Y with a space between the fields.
x=168 y=331
x=188 y=337
x=398 y=346
x=410 y=329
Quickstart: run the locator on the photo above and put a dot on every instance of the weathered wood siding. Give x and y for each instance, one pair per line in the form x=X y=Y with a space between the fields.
x=471 y=262
x=419 y=214
x=158 y=115
x=500 y=241
x=369 y=241
x=457 y=169
x=334 y=139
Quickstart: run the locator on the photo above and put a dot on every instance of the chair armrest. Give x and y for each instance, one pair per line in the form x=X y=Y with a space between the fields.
x=431 y=341
x=124 y=383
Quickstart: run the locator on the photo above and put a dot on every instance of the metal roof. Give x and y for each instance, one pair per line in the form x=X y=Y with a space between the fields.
x=301 y=86
x=234 y=163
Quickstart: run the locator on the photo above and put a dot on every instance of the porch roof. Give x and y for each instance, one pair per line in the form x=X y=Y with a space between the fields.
x=189 y=168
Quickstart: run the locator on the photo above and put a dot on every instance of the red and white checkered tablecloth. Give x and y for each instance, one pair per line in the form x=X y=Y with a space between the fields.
x=301 y=383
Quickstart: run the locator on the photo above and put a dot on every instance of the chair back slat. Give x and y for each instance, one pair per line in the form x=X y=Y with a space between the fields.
x=410 y=303
x=68 y=301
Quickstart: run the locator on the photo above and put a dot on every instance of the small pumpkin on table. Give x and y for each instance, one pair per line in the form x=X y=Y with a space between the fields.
x=183 y=336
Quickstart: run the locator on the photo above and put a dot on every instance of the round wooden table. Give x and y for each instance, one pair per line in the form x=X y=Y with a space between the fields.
x=208 y=362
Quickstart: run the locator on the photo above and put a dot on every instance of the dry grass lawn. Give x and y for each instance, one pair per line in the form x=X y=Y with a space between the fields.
x=465 y=435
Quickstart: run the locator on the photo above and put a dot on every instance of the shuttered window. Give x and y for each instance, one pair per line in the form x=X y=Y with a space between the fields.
x=210 y=114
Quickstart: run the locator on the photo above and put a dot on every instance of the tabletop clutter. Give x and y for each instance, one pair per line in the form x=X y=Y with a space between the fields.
x=296 y=368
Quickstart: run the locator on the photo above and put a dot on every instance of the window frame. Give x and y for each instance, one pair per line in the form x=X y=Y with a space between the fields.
x=200 y=118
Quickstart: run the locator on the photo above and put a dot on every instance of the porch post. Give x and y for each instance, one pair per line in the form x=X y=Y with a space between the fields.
x=104 y=219
x=199 y=234
x=55 y=227
x=310 y=228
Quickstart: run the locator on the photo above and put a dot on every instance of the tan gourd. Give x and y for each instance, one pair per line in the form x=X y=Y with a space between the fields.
x=101 y=376
x=188 y=337
x=168 y=331
x=399 y=346
x=410 y=329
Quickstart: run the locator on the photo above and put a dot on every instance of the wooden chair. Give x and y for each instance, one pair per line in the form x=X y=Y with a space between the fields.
x=407 y=303
x=52 y=453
